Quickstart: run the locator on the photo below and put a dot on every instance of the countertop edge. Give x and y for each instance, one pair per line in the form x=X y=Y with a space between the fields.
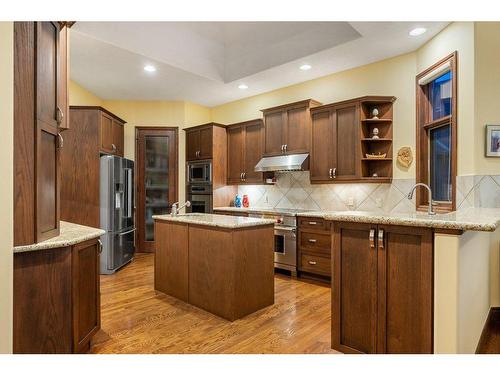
x=186 y=220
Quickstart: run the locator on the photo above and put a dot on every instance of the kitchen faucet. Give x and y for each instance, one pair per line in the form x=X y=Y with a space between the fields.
x=430 y=211
x=175 y=211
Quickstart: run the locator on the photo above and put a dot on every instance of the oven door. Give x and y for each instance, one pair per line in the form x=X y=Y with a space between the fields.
x=201 y=203
x=285 y=246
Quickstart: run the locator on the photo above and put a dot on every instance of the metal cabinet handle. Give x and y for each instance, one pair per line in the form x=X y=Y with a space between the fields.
x=61 y=140
x=312 y=240
x=286 y=147
x=334 y=172
x=113 y=147
x=312 y=223
x=59 y=116
x=381 y=239
x=372 y=238
x=241 y=176
x=282 y=148
x=244 y=176
x=99 y=242
x=330 y=173
x=312 y=262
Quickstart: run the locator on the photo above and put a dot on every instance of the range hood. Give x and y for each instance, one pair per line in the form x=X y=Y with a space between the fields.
x=295 y=162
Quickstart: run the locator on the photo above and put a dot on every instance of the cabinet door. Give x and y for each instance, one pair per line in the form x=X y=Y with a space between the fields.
x=63 y=78
x=118 y=137
x=322 y=147
x=297 y=130
x=273 y=133
x=235 y=150
x=346 y=135
x=47 y=132
x=354 y=291
x=205 y=143
x=106 y=134
x=192 y=144
x=86 y=294
x=405 y=271
x=253 y=152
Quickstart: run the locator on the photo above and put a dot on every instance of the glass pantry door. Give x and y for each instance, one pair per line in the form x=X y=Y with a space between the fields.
x=157 y=180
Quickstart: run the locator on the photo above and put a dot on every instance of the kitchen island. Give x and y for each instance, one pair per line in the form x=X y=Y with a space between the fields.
x=411 y=283
x=219 y=263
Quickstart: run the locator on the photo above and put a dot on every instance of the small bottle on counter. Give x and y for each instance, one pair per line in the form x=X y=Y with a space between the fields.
x=246 y=202
x=237 y=201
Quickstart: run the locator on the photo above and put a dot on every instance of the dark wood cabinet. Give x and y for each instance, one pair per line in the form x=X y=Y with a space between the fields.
x=314 y=246
x=199 y=142
x=40 y=113
x=343 y=148
x=56 y=299
x=244 y=145
x=111 y=134
x=287 y=128
x=80 y=161
x=335 y=139
x=382 y=289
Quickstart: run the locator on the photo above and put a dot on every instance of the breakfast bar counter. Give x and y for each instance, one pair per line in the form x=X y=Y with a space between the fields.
x=221 y=264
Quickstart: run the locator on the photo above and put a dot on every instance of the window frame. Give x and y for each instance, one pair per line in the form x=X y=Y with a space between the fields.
x=424 y=123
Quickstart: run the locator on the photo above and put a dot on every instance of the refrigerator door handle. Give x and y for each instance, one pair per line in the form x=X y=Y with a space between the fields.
x=128 y=172
x=127 y=232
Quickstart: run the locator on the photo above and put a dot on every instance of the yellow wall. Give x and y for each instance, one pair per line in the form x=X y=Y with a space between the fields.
x=487 y=91
x=395 y=76
x=81 y=96
x=6 y=188
x=458 y=36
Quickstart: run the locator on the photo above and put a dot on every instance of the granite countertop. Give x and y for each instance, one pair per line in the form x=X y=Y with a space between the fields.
x=70 y=234
x=475 y=219
x=211 y=220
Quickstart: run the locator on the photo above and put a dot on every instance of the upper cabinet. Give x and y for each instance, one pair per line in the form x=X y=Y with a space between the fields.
x=111 y=133
x=345 y=145
x=287 y=128
x=245 y=147
x=40 y=114
x=199 y=142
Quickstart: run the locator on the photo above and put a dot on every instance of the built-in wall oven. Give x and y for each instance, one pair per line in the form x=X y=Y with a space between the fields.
x=199 y=172
x=200 y=197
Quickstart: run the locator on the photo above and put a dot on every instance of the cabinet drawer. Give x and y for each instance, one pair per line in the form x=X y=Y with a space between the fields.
x=315 y=264
x=317 y=242
x=314 y=223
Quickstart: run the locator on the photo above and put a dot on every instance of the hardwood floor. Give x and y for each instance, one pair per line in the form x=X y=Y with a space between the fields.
x=137 y=319
x=490 y=342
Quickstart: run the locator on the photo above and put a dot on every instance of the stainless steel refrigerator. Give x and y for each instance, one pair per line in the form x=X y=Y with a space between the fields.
x=117 y=212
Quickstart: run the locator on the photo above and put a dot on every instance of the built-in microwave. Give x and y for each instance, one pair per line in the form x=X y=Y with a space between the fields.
x=199 y=172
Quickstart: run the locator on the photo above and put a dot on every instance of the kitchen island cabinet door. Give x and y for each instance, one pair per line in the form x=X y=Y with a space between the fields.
x=405 y=286
x=354 y=288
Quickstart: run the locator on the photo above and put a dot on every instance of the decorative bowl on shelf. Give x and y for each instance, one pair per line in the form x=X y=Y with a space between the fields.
x=376 y=156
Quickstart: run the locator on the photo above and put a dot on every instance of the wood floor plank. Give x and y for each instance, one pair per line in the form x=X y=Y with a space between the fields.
x=137 y=319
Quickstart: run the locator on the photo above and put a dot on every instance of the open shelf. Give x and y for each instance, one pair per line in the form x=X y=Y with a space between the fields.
x=376 y=140
x=383 y=120
x=376 y=159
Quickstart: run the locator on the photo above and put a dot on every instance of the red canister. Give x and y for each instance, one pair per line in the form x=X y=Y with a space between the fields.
x=246 y=203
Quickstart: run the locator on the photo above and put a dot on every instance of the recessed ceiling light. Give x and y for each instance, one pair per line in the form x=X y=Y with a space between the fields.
x=305 y=67
x=149 y=68
x=417 y=31
x=242 y=86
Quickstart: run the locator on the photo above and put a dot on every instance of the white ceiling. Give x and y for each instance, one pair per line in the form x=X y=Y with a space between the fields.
x=204 y=62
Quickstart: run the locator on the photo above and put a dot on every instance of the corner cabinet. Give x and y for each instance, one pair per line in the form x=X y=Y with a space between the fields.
x=343 y=148
x=40 y=114
x=56 y=299
x=287 y=128
x=382 y=289
x=244 y=150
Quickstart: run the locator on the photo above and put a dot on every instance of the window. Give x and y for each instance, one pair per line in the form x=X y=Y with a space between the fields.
x=436 y=133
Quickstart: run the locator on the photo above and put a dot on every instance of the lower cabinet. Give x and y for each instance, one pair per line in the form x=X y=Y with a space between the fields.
x=382 y=289
x=56 y=299
x=314 y=246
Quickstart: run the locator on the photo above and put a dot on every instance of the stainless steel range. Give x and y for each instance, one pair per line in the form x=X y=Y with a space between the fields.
x=285 y=236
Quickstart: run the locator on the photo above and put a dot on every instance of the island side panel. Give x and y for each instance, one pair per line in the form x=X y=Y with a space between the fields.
x=171 y=259
x=211 y=265
x=254 y=269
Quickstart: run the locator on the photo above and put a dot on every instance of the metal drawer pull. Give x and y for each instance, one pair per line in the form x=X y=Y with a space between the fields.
x=312 y=262
x=312 y=223
x=372 y=238
x=380 y=238
x=312 y=240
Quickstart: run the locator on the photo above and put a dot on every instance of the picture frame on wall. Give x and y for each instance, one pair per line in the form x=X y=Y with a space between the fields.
x=493 y=141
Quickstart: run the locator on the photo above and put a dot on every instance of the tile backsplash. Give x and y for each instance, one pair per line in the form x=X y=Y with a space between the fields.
x=294 y=190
